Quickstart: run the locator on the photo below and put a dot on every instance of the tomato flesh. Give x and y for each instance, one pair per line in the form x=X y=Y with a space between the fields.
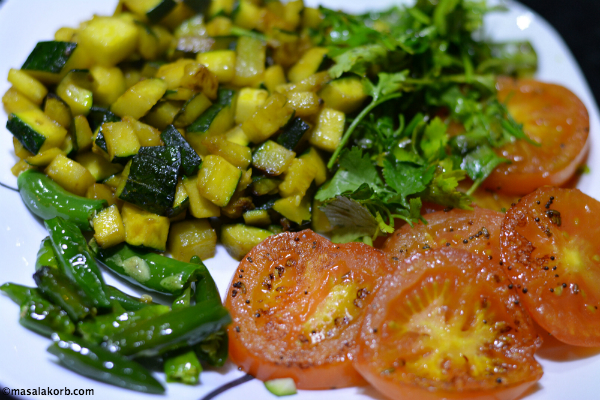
x=296 y=302
x=447 y=325
x=476 y=230
x=550 y=250
x=552 y=116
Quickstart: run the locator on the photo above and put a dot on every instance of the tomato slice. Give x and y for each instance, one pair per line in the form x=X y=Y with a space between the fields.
x=297 y=302
x=554 y=117
x=476 y=230
x=447 y=325
x=551 y=252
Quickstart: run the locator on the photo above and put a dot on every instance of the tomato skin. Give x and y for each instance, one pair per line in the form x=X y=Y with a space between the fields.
x=555 y=258
x=551 y=115
x=407 y=325
x=454 y=227
x=280 y=327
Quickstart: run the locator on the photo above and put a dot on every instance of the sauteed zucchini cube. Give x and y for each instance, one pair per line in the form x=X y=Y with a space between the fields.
x=35 y=130
x=192 y=238
x=108 y=227
x=218 y=179
x=145 y=229
x=239 y=239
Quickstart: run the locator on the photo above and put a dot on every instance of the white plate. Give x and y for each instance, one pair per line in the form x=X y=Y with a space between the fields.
x=569 y=373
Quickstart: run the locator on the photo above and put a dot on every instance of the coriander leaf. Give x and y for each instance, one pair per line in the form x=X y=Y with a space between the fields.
x=434 y=140
x=351 y=219
x=355 y=170
x=406 y=179
x=442 y=189
x=358 y=60
x=479 y=164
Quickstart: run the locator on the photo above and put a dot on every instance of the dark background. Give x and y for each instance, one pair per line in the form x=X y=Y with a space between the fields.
x=577 y=22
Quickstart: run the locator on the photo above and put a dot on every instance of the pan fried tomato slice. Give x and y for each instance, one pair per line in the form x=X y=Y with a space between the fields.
x=297 y=302
x=447 y=325
x=551 y=251
x=554 y=117
x=477 y=231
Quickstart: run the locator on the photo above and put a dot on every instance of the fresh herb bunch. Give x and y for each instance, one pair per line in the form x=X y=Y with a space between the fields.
x=433 y=119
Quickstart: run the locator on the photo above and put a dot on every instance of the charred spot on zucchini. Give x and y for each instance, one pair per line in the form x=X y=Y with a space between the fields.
x=151 y=179
x=190 y=160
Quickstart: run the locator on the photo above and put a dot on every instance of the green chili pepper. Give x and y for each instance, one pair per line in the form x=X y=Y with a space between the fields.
x=214 y=350
x=19 y=293
x=46 y=256
x=206 y=288
x=178 y=328
x=106 y=326
x=128 y=302
x=55 y=286
x=98 y=363
x=184 y=368
x=46 y=199
x=184 y=300
x=76 y=260
x=149 y=270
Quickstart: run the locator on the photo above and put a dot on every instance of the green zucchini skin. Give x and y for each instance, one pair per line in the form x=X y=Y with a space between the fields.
x=204 y=121
x=185 y=326
x=149 y=270
x=46 y=199
x=152 y=179
x=96 y=117
x=49 y=56
x=55 y=285
x=190 y=160
x=160 y=11
x=76 y=260
x=29 y=137
x=292 y=133
x=100 y=364
x=200 y=6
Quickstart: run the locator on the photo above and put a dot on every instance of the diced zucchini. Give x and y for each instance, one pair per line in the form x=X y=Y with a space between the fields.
x=304 y=103
x=217 y=119
x=344 y=94
x=48 y=60
x=146 y=134
x=181 y=202
x=177 y=16
x=44 y=158
x=58 y=110
x=172 y=73
x=237 y=205
x=266 y=121
x=313 y=83
x=292 y=133
x=108 y=40
x=153 y=10
x=311 y=17
x=237 y=135
x=249 y=101
x=98 y=166
x=121 y=141
x=273 y=77
x=239 y=239
x=272 y=158
x=308 y=64
x=218 y=6
x=329 y=129
x=218 y=179
x=240 y=156
x=200 y=6
x=145 y=229
x=262 y=185
x=294 y=208
x=139 y=99
x=29 y=86
x=298 y=178
x=219 y=27
x=100 y=191
x=151 y=179
x=109 y=84
x=108 y=227
x=68 y=146
x=200 y=207
x=20 y=151
x=15 y=102
x=76 y=90
x=246 y=14
x=180 y=94
x=191 y=110
x=314 y=158
x=20 y=166
x=99 y=115
x=275 y=229
x=257 y=218
x=281 y=387
x=192 y=238
x=219 y=62
x=319 y=223
x=69 y=174
x=163 y=114
x=293 y=13
x=250 y=59
x=35 y=130
x=190 y=161
x=198 y=77
x=83 y=134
